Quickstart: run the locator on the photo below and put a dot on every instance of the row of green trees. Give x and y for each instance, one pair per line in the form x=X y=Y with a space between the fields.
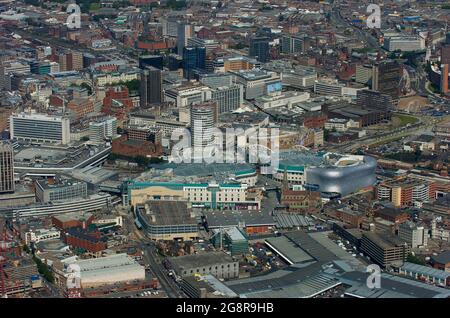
x=406 y=156
x=43 y=269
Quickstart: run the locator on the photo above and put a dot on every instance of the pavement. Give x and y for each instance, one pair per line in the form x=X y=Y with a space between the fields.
x=151 y=258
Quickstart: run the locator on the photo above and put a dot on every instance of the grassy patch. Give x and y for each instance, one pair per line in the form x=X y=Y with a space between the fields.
x=385 y=141
x=405 y=119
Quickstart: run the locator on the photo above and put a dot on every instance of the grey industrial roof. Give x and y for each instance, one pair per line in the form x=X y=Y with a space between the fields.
x=306 y=289
x=167 y=213
x=420 y=269
x=212 y=284
x=311 y=246
x=234 y=218
x=442 y=258
x=391 y=287
x=201 y=260
x=289 y=220
x=288 y=249
x=275 y=280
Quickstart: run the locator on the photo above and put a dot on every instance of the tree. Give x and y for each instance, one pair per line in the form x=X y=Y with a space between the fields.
x=44 y=270
x=415 y=259
x=26 y=249
x=176 y=4
x=87 y=86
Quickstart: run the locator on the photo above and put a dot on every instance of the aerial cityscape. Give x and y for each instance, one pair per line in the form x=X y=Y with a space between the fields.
x=224 y=149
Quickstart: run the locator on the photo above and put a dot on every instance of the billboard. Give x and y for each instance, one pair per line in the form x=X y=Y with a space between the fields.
x=274 y=87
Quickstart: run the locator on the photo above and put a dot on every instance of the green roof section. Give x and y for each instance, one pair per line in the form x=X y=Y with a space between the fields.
x=282 y=167
x=177 y=186
x=245 y=172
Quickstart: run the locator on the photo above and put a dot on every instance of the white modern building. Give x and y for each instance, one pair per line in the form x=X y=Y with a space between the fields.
x=414 y=235
x=40 y=128
x=404 y=43
x=102 y=129
x=108 y=270
x=187 y=95
x=258 y=82
x=281 y=99
x=42 y=235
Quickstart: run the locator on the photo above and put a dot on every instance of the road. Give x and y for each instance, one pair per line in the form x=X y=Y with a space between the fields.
x=55 y=292
x=337 y=19
x=158 y=270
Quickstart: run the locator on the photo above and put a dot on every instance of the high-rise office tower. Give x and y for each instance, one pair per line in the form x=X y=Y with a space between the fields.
x=184 y=32
x=203 y=120
x=151 y=86
x=386 y=78
x=294 y=44
x=193 y=58
x=151 y=60
x=6 y=167
x=259 y=49
x=369 y=99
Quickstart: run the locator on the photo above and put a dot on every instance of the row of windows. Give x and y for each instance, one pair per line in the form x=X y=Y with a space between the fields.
x=210 y=268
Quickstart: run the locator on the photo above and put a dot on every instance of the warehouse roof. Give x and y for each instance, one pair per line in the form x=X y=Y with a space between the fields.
x=201 y=260
x=391 y=287
x=425 y=270
x=108 y=262
x=234 y=218
x=306 y=289
x=288 y=250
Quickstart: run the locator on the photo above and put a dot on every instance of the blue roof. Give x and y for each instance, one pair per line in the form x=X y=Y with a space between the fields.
x=425 y=270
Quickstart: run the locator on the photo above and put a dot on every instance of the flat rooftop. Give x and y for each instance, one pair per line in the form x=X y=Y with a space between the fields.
x=201 y=260
x=78 y=216
x=234 y=218
x=288 y=250
x=391 y=287
x=166 y=213
x=45 y=156
x=385 y=241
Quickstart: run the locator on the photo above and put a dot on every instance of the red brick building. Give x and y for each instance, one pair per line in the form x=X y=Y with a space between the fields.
x=81 y=107
x=393 y=215
x=347 y=216
x=70 y=220
x=441 y=261
x=301 y=201
x=117 y=102
x=90 y=241
x=132 y=148
x=315 y=121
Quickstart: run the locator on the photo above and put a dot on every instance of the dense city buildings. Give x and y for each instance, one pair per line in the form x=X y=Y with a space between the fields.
x=224 y=149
